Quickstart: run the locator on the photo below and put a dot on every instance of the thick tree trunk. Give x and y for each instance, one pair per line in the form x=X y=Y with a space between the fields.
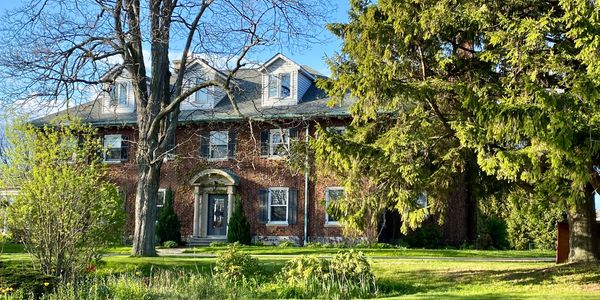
x=583 y=239
x=145 y=208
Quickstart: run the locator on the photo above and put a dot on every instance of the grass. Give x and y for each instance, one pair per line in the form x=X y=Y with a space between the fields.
x=397 y=277
x=392 y=252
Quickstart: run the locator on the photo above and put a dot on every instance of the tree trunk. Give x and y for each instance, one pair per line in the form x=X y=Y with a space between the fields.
x=583 y=240
x=145 y=208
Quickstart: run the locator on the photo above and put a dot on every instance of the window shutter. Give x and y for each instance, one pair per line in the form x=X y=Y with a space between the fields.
x=124 y=148
x=231 y=144
x=264 y=143
x=293 y=133
x=292 y=206
x=204 y=145
x=263 y=206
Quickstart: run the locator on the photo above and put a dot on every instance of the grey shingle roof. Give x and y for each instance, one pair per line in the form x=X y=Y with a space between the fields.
x=247 y=97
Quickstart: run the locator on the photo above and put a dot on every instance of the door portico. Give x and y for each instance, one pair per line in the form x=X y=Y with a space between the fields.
x=211 y=182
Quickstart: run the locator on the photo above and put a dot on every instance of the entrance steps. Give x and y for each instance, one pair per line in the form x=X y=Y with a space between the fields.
x=196 y=241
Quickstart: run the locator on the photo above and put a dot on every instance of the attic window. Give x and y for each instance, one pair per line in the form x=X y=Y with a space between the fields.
x=119 y=94
x=202 y=96
x=280 y=85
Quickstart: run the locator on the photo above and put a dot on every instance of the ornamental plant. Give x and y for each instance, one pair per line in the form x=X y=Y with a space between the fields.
x=168 y=227
x=66 y=212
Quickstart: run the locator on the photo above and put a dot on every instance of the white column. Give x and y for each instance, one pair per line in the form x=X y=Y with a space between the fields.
x=203 y=213
x=230 y=202
x=196 y=228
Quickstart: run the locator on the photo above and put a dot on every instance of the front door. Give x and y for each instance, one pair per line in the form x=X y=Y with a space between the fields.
x=217 y=215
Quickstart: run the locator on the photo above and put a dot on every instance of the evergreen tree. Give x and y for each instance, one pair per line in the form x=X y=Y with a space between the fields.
x=168 y=227
x=238 y=229
x=495 y=91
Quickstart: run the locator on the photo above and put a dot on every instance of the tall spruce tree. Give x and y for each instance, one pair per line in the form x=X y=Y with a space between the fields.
x=168 y=227
x=472 y=88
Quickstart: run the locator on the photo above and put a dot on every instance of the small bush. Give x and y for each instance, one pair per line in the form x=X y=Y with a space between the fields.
x=347 y=275
x=286 y=244
x=428 y=236
x=168 y=227
x=493 y=234
x=231 y=265
x=218 y=244
x=239 y=228
x=170 y=244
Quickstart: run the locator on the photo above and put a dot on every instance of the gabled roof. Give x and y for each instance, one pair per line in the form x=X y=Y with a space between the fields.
x=277 y=56
x=248 y=97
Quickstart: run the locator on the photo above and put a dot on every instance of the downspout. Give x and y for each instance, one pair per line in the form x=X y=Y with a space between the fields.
x=306 y=172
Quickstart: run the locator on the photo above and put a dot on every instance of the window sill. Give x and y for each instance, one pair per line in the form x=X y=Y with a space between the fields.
x=112 y=162
x=217 y=159
x=275 y=157
x=277 y=224
x=332 y=224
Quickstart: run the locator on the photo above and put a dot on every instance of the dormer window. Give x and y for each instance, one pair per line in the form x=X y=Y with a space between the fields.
x=119 y=94
x=280 y=85
x=202 y=96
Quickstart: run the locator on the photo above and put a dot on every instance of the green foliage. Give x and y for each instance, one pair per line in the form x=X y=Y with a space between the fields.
x=65 y=213
x=234 y=266
x=170 y=244
x=347 y=275
x=286 y=244
x=218 y=244
x=238 y=228
x=168 y=227
x=492 y=233
x=428 y=236
x=27 y=281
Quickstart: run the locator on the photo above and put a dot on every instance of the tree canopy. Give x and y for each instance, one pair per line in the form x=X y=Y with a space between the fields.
x=506 y=89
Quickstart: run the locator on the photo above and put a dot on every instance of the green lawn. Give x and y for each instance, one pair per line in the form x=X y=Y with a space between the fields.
x=404 y=278
x=394 y=252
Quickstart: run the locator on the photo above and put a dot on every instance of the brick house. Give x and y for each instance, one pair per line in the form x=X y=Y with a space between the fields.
x=222 y=152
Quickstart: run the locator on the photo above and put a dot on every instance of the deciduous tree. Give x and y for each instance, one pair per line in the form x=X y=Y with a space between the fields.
x=57 y=48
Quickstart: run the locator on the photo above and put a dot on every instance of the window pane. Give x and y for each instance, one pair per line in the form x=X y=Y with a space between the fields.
x=202 y=96
x=160 y=200
x=333 y=195
x=285 y=85
x=278 y=197
x=122 y=94
x=273 y=86
x=218 y=151
x=112 y=141
x=278 y=213
x=218 y=137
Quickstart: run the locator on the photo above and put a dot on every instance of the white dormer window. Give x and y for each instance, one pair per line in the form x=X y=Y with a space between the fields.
x=202 y=96
x=119 y=94
x=280 y=85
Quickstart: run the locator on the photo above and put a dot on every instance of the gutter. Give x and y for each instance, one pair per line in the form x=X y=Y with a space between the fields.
x=306 y=172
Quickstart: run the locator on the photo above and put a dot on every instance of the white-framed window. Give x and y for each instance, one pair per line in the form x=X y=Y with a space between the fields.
x=280 y=85
x=119 y=95
x=160 y=198
x=279 y=142
x=332 y=194
x=278 y=205
x=202 y=96
x=114 y=148
x=218 y=144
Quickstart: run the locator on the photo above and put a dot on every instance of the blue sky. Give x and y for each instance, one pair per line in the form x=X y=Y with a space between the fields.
x=312 y=55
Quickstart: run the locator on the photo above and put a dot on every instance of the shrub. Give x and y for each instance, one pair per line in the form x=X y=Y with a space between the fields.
x=347 y=275
x=231 y=265
x=492 y=234
x=427 y=236
x=218 y=244
x=168 y=227
x=64 y=198
x=286 y=244
x=238 y=229
x=170 y=244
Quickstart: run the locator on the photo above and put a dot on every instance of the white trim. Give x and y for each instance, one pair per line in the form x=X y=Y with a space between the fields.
x=287 y=206
x=104 y=147
x=285 y=138
x=164 y=191
x=327 y=190
x=210 y=145
x=283 y=57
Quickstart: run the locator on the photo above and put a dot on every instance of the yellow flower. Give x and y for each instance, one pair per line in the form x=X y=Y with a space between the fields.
x=46 y=284
x=138 y=273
